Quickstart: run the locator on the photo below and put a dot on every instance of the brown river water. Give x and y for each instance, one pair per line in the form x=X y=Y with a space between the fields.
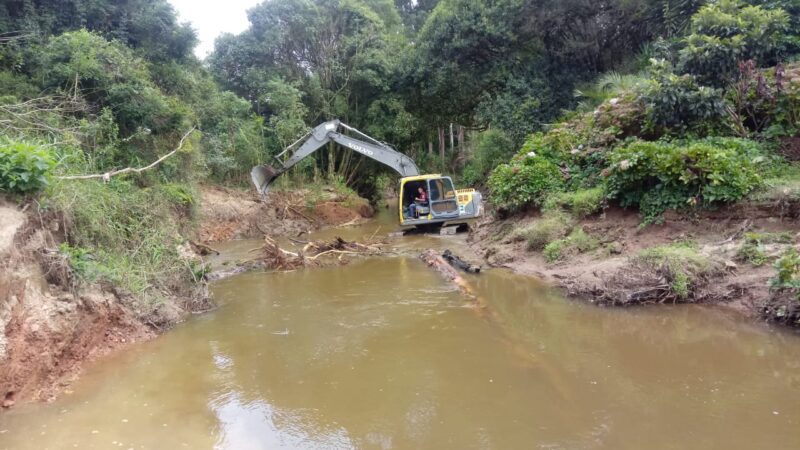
x=383 y=353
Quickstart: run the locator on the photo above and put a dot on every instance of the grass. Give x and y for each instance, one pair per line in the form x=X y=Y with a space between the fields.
x=549 y=227
x=753 y=249
x=781 y=185
x=581 y=203
x=681 y=264
x=126 y=235
x=577 y=242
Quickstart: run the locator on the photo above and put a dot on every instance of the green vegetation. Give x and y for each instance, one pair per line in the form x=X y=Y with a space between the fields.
x=527 y=180
x=577 y=242
x=680 y=264
x=125 y=235
x=663 y=175
x=550 y=227
x=753 y=249
x=24 y=167
x=581 y=203
x=787 y=275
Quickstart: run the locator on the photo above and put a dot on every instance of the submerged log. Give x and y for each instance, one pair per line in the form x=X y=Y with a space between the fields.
x=459 y=263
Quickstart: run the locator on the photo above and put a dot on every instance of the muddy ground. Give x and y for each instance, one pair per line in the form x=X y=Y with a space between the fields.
x=607 y=275
x=50 y=326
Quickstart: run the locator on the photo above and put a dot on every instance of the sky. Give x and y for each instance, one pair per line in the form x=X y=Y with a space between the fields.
x=210 y=18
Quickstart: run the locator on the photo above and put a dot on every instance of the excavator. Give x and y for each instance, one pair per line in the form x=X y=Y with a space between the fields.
x=445 y=205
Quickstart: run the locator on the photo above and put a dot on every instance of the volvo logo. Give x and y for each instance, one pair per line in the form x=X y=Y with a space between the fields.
x=360 y=149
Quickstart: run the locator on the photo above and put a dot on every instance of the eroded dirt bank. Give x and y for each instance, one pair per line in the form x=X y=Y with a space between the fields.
x=614 y=272
x=51 y=324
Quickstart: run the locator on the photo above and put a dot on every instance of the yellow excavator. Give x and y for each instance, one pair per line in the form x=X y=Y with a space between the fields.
x=444 y=206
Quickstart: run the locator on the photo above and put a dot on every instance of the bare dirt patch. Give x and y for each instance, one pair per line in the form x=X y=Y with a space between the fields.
x=48 y=327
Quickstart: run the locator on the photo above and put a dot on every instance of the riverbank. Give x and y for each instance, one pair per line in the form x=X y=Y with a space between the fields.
x=722 y=257
x=60 y=307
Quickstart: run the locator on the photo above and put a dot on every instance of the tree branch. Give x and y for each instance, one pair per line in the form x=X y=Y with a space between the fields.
x=107 y=176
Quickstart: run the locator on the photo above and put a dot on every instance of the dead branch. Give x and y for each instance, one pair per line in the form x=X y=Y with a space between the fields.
x=107 y=176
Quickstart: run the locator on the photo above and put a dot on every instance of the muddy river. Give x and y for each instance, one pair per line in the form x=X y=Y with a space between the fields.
x=383 y=353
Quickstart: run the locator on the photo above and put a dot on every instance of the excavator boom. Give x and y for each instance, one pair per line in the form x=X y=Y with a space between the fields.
x=320 y=136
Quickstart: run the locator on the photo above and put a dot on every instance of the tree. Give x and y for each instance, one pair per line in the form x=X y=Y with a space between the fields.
x=726 y=32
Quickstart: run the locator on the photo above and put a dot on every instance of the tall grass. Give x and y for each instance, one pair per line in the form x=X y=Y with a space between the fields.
x=126 y=235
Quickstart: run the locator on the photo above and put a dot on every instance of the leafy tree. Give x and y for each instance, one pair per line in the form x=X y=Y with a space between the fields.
x=150 y=26
x=107 y=74
x=729 y=31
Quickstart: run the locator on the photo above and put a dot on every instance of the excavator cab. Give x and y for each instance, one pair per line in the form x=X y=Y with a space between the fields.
x=444 y=206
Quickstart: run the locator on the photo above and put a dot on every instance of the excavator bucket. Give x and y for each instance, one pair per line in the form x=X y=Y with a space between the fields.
x=263 y=176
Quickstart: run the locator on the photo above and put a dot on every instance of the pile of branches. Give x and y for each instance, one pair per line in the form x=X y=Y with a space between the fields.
x=272 y=256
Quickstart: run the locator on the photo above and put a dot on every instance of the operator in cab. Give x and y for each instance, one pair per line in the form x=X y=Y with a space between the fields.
x=420 y=200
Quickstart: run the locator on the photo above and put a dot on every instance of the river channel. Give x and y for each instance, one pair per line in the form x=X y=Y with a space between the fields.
x=383 y=353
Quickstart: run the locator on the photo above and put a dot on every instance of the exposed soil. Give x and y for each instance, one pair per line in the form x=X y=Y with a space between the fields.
x=50 y=324
x=232 y=214
x=609 y=275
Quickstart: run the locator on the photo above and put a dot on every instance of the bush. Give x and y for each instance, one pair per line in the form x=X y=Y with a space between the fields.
x=526 y=181
x=677 y=104
x=580 y=203
x=577 y=242
x=680 y=264
x=728 y=31
x=550 y=227
x=24 y=167
x=787 y=269
x=662 y=175
x=766 y=101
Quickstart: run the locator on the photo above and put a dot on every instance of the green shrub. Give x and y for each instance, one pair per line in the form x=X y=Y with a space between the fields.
x=580 y=203
x=787 y=269
x=181 y=195
x=550 y=227
x=526 y=181
x=728 y=31
x=24 y=167
x=680 y=264
x=577 y=242
x=662 y=175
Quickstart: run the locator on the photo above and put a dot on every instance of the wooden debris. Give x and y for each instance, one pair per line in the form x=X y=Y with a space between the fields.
x=459 y=263
x=202 y=249
x=271 y=256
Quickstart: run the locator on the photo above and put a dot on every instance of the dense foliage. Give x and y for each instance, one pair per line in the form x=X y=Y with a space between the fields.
x=460 y=85
x=24 y=167
x=657 y=176
x=525 y=181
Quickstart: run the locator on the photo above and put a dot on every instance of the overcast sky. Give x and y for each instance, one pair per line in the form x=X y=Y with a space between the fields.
x=213 y=17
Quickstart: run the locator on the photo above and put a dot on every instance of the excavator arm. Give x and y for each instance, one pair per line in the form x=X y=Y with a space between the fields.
x=320 y=136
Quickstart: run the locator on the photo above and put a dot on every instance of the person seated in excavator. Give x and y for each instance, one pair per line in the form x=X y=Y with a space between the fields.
x=420 y=201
